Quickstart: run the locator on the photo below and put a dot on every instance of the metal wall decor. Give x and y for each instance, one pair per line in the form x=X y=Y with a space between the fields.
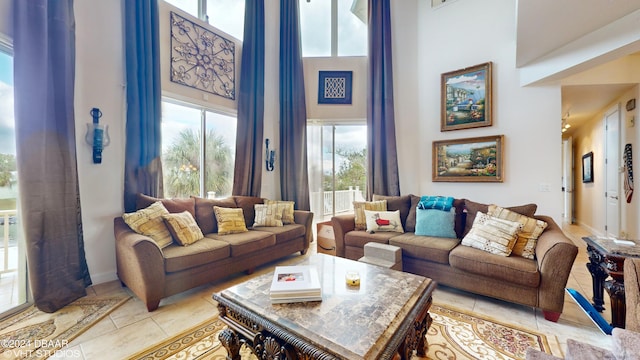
x=334 y=87
x=202 y=59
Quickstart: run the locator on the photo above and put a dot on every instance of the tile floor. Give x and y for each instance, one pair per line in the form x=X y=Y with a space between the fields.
x=131 y=328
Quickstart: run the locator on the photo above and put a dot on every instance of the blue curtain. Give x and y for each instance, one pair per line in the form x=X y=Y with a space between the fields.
x=294 y=181
x=247 y=178
x=142 y=168
x=44 y=72
x=382 y=160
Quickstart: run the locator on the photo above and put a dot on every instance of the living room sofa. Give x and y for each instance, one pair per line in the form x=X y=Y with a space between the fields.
x=538 y=282
x=153 y=273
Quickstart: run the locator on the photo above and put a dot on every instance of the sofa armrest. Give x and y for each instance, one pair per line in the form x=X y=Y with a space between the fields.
x=342 y=224
x=304 y=217
x=140 y=264
x=555 y=254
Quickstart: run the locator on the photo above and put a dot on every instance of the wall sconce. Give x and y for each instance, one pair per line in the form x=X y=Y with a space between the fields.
x=97 y=135
x=269 y=156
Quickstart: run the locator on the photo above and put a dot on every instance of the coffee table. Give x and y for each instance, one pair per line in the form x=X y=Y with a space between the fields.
x=385 y=317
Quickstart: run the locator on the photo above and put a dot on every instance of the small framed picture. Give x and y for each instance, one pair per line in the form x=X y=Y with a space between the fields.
x=334 y=87
x=587 y=167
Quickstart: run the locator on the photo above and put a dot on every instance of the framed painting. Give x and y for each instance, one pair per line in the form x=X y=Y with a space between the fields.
x=587 y=167
x=334 y=87
x=478 y=159
x=466 y=98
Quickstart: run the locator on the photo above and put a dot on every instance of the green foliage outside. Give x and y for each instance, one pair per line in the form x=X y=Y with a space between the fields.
x=7 y=165
x=351 y=173
x=182 y=160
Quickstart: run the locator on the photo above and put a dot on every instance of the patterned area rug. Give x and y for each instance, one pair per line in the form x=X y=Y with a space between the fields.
x=33 y=334
x=454 y=334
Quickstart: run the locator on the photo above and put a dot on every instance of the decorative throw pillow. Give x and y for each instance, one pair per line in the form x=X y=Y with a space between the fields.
x=285 y=208
x=528 y=237
x=473 y=207
x=360 y=206
x=183 y=228
x=267 y=215
x=493 y=235
x=149 y=222
x=230 y=220
x=383 y=221
x=437 y=223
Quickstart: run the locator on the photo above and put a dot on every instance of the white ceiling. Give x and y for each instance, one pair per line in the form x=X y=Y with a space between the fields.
x=546 y=25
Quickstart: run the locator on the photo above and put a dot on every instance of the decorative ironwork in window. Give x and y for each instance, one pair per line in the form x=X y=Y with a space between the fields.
x=202 y=59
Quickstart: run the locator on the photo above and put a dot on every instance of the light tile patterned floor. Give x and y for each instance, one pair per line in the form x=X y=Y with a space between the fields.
x=131 y=328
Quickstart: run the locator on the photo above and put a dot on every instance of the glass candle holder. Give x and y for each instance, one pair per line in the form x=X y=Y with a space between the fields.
x=352 y=278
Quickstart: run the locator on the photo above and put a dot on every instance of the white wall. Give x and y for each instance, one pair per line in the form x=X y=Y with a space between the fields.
x=467 y=33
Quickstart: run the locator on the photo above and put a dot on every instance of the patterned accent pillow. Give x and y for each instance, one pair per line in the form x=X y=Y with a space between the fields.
x=183 y=227
x=268 y=215
x=383 y=221
x=149 y=222
x=360 y=206
x=436 y=223
x=286 y=209
x=493 y=235
x=230 y=220
x=528 y=237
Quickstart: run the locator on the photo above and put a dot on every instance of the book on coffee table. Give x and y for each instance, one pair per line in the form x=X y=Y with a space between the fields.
x=295 y=284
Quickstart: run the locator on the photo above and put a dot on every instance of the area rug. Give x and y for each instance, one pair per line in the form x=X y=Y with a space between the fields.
x=34 y=334
x=454 y=334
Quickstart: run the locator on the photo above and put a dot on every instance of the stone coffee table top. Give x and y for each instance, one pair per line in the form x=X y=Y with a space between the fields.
x=352 y=322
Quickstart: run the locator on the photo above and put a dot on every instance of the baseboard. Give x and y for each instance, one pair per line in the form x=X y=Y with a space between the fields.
x=593 y=231
x=103 y=277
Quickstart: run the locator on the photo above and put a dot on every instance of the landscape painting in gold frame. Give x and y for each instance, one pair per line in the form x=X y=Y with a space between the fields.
x=466 y=100
x=478 y=159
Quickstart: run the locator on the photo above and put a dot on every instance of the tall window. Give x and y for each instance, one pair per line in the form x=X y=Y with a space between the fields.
x=333 y=27
x=192 y=164
x=337 y=167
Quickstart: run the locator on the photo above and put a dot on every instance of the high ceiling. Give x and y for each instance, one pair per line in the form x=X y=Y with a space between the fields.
x=546 y=25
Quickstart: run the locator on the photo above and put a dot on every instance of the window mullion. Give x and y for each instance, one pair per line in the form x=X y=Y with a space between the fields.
x=202 y=10
x=203 y=146
x=334 y=28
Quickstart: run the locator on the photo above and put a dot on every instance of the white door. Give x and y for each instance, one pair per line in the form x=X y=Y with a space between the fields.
x=612 y=171
x=567 y=179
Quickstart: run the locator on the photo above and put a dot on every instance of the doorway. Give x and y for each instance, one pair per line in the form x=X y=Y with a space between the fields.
x=612 y=171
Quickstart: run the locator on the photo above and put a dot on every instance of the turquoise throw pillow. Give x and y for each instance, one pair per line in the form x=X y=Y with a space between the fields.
x=436 y=223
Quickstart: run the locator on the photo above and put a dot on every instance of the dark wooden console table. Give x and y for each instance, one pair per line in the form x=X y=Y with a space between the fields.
x=386 y=317
x=606 y=259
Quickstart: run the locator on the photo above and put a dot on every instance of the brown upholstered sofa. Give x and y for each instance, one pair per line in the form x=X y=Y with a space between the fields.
x=153 y=273
x=538 y=283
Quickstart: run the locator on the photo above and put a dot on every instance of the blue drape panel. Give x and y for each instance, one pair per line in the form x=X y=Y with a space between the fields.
x=44 y=72
x=247 y=178
x=382 y=160
x=143 y=168
x=294 y=180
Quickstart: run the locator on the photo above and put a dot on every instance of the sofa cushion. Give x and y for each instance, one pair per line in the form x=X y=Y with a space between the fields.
x=437 y=223
x=286 y=208
x=473 y=207
x=358 y=238
x=247 y=204
x=183 y=228
x=230 y=220
x=527 y=238
x=285 y=233
x=360 y=206
x=205 y=251
x=410 y=223
x=400 y=203
x=513 y=269
x=493 y=235
x=267 y=215
x=172 y=205
x=149 y=222
x=383 y=221
x=247 y=242
x=434 y=249
x=205 y=216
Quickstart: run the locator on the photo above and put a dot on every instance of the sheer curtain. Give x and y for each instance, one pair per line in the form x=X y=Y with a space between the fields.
x=44 y=72
x=143 y=167
x=294 y=180
x=247 y=178
x=383 y=177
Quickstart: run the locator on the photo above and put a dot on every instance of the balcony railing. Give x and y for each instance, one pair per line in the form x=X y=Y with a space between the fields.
x=323 y=202
x=9 y=248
